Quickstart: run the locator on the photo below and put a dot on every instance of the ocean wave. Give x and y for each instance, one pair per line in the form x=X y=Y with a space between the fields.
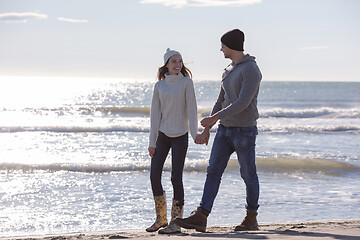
x=143 y=110
x=73 y=129
x=324 y=112
x=89 y=168
x=86 y=110
x=282 y=165
x=293 y=165
x=309 y=129
x=131 y=128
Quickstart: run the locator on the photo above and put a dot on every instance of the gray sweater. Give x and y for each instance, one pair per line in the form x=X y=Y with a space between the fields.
x=237 y=102
x=173 y=108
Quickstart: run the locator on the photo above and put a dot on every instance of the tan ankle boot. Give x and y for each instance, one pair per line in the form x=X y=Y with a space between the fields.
x=177 y=210
x=249 y=223
x=160 y=208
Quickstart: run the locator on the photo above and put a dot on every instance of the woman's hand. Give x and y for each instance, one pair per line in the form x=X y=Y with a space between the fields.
x=203 y=137
x=151 y=151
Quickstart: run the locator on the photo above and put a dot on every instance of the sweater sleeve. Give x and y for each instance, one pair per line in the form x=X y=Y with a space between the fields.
x=155 y=117
x=191 y=108
x=218 y=104
x=251 y=82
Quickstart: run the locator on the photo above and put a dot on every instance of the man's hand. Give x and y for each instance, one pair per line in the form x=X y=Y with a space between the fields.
x=151 y=151
x=209 y=121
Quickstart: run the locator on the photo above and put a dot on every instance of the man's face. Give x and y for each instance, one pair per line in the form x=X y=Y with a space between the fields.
x=225 y=50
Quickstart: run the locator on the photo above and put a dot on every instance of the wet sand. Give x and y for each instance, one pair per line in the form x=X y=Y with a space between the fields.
x=330 y=230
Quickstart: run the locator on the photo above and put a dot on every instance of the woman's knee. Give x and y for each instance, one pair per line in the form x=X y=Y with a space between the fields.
x=155 y=177
x=176 y=179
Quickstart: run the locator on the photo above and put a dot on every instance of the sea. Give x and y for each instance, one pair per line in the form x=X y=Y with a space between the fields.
x=73 y=155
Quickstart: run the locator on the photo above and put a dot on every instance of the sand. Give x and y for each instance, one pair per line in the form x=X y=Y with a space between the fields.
x=343 y=230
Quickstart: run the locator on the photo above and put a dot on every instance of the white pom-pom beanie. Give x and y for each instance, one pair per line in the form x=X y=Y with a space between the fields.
x=169 y=53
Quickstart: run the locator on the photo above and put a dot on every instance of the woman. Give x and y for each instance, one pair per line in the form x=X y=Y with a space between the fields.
x=173 y=113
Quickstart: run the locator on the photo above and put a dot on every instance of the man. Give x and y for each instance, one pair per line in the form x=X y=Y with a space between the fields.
x=236 y=107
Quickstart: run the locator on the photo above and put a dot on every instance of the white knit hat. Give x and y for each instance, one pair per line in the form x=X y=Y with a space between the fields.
x=169 y=53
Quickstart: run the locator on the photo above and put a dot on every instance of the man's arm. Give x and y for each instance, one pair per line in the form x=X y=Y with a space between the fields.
x=208 y=122
x=250 y=85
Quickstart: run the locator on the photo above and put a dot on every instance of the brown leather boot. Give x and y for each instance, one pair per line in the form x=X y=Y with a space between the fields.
x=249 y=223
x=197 y=220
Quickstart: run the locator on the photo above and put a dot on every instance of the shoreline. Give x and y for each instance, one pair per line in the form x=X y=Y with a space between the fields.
x=344 y=230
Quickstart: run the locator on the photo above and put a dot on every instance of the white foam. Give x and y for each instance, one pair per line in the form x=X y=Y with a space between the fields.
x=324 y=112
x=268 y=164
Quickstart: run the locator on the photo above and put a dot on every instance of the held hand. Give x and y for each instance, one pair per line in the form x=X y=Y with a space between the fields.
x=206 y=135
x=203 y=138
x=209 y=121
x=198 y=139
x=151 y=151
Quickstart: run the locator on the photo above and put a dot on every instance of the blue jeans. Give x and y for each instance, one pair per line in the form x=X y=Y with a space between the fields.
x=178 y=146
x=228 y=140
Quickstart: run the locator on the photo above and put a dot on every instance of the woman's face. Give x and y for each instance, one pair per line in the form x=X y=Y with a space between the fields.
x=174 y=64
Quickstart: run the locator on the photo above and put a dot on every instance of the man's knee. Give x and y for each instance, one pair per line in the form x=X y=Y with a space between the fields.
x=249 y=177
x=214 y=171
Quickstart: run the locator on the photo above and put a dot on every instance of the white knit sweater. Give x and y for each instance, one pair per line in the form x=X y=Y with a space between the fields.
x=173 y=108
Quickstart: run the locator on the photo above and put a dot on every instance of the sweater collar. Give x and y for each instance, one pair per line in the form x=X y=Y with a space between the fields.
x=173 y=78
x=245 y=58
x=232 y=65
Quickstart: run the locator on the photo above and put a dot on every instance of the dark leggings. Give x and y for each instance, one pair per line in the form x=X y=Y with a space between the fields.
x=179 y=146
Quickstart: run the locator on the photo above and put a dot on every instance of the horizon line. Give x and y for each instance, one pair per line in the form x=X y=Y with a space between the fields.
x=2 y=77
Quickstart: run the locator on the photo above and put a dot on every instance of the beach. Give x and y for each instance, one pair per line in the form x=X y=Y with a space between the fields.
x=73 y=159
x=344 y=230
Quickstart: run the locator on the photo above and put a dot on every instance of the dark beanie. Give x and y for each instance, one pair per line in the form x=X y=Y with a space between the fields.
x=234 y=39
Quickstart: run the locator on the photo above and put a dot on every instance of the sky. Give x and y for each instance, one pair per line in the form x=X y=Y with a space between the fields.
x=292 y=40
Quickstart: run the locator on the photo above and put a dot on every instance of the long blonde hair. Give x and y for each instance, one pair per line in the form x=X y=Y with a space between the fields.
x=163 y=70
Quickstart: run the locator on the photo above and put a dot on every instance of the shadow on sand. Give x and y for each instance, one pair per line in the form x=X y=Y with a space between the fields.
x=269 y=234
